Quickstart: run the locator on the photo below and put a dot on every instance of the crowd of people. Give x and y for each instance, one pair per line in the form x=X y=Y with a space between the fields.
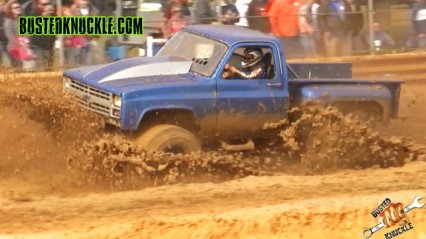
x=37 y=51
x=306 y=27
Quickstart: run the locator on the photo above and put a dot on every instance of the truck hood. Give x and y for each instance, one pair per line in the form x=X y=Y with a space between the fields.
x=130 y=71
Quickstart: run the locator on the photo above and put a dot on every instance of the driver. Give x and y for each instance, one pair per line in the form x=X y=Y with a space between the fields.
x=253 y=67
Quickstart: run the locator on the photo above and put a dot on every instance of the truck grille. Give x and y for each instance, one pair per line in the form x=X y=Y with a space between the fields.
x=90 y=90
x=92 y=99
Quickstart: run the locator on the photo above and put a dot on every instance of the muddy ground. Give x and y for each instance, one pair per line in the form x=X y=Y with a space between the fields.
x=64 y=176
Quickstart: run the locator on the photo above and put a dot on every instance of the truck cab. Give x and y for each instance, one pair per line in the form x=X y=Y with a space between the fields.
x=244 y=105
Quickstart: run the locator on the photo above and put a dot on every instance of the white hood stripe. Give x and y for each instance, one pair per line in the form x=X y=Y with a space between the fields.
x=150 y=69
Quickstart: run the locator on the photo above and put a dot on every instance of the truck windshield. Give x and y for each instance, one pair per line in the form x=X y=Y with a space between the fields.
x=205 y=53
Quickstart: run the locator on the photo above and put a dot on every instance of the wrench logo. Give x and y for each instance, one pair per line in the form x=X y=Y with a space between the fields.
x=393 y=214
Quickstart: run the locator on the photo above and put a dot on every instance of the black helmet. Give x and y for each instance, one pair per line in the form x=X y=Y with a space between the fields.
x=252 y=56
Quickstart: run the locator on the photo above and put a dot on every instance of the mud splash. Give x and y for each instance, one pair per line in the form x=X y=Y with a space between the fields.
x=322 y=139
x=319 y=140
x=64 y=121
x=326 y=140
x=117 y=161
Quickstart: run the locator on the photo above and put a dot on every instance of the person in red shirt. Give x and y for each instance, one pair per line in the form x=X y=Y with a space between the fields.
x=284 y=20
x=17 y=45
x=77 y=47
x=3 y=37
x=174 y=22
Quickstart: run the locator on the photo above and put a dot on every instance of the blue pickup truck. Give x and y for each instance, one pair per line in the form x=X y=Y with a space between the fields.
x=180 y=98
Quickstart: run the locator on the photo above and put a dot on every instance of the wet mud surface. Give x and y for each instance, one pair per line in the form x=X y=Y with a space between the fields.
x=63 y=175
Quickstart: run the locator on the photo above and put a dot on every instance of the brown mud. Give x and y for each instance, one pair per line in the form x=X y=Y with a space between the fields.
x=64 y=176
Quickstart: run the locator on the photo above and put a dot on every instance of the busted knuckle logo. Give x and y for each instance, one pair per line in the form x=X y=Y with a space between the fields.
x=80 y=25
x=390 y=214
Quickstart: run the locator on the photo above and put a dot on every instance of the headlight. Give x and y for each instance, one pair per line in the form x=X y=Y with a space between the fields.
x=116 y=101
x=67 y=82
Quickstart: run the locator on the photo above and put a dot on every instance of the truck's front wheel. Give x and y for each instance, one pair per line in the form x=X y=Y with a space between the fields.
x=169 y=138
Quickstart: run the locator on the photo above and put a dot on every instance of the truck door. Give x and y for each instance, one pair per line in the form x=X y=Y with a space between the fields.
x=246 y=104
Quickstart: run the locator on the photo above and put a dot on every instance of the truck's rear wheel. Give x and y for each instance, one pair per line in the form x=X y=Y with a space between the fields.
x=169 y=138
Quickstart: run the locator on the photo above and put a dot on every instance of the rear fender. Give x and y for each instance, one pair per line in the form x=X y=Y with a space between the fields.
x=330 y=94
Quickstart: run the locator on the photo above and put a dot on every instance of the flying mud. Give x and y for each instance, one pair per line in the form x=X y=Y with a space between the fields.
x=320 y=140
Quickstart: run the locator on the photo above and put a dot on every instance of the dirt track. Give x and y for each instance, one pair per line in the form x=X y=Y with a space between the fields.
x=40 y=197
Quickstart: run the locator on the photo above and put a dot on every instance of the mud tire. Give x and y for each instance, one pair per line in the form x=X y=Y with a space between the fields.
x=169 y=138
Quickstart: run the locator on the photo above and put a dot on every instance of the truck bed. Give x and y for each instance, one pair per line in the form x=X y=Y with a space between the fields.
x=332 y=90
x=319 y=70
x=346 y=81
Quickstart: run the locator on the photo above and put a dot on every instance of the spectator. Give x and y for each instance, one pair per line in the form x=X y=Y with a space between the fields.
x=336 y=24
x=284 y=20
x=217 y=6
x=18 y=46
x=418 y=18
x=78 y=47
x=381 y=39
x=12 y=11
x=42 y=46
x=175 y=22
x=83 y=8
x=256 y=16
x=204 y=11
x=318 y=35
x=357 y=24
x=101 y=6
x=70 y=46
x=306 y=29
x=409 y=39
x=268 y=6
x=3 y=37
x=229 y=13
x=185 y=4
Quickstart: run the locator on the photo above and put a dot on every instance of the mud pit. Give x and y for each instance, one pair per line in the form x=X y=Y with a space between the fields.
x=62 y=176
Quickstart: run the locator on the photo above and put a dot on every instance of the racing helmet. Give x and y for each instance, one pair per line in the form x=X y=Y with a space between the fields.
x=252 y=56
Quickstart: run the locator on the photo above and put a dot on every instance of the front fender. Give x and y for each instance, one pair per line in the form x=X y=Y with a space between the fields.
x=133 y=118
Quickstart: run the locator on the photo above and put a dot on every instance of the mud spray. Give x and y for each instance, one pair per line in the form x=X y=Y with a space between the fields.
x=320 y=140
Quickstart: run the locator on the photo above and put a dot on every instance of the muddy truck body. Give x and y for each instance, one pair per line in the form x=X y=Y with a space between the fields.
x=178 y=99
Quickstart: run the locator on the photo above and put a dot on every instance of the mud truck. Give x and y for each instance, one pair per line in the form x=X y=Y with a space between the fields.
x=179 y=99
